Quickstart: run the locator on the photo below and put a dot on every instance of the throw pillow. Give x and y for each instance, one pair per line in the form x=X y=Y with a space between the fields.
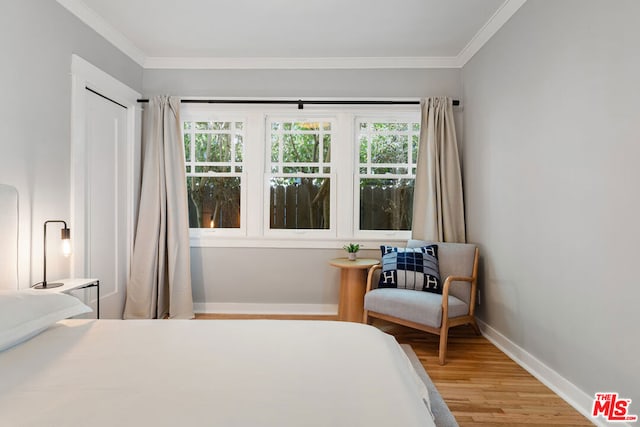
x=410 y=268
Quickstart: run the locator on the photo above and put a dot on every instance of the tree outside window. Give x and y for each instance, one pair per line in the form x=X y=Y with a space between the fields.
x=300 y=166
x=214 y=166
x=388 y=153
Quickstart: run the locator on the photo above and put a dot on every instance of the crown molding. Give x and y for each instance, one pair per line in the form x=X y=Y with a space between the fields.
x=102 y=27
x=502 y=15
x=299 y=63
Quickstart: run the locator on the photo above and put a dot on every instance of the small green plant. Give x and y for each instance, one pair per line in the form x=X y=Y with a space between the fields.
x=352 y=248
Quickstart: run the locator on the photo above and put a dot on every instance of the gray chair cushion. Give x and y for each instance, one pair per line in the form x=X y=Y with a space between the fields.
x=424 y=308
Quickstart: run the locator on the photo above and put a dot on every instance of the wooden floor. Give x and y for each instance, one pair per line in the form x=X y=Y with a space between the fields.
x=482 y=386
x=479 y=383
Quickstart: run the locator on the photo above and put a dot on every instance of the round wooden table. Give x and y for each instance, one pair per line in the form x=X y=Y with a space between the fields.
x=353 y=282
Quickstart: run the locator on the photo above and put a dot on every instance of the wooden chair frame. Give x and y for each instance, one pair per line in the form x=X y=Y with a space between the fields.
x=446 y=322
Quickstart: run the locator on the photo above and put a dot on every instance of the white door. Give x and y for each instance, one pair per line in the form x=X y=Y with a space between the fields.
x=107 y=216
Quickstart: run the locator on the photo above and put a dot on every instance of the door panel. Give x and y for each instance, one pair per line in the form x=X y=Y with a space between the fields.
x=8 y=237
x=107 y=202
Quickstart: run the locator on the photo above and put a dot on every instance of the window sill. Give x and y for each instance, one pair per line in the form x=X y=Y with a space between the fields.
x=283 y=243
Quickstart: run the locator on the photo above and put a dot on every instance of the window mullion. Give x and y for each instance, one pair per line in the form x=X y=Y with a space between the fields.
x=280 y=149
x=256 y=152
x=192 y=148
x=369 y=142
x=343 y=163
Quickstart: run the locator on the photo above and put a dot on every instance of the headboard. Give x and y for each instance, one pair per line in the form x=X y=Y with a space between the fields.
x=8 y=237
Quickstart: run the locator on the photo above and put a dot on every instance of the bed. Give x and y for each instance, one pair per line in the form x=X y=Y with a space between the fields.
x=60 y=372
x=210 y=373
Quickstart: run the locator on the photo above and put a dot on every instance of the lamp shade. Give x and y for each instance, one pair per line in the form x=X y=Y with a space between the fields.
x=65 y=235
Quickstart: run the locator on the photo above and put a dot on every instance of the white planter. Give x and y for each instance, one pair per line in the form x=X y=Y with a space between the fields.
x=352 y=256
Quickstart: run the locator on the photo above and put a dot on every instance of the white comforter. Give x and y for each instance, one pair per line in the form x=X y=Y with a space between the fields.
x=249 y=373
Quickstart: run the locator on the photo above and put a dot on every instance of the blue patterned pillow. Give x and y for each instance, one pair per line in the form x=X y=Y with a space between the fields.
x=410 y=268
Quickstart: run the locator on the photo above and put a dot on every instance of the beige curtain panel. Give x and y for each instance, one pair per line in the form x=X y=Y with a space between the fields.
x=438 y=206
x=160 y=281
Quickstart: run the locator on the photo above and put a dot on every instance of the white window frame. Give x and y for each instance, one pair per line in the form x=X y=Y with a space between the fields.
x=331 y=175
x=345 y=193
x=379 y=118
x=202 y=115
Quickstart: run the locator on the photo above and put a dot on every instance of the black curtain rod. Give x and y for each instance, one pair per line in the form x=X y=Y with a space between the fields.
x=300 y=103
x=105 y=97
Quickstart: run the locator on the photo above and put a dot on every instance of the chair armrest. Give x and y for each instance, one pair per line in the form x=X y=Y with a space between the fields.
x=445 y=292
x=370 y=277
x=449 y=279
x=473 y=280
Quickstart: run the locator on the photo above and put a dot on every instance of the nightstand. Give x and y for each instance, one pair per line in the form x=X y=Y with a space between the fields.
x=69 y=285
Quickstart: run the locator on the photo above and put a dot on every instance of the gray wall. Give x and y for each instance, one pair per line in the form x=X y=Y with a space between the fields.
x=267 y=276
x=304 y=83
x=37 y=38
x=551 y=178
x=286 y=276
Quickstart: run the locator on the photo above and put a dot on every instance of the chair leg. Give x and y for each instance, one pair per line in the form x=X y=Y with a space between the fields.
x=442 y=353
x=365 y=318
x=475 y=327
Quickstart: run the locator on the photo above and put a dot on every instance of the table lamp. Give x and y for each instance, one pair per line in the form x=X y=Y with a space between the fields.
x=65 y=235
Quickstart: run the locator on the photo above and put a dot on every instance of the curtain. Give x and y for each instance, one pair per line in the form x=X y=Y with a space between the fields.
x=438 y=206
x=160 y=280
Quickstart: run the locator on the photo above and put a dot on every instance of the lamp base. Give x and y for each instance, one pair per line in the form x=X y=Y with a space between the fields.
x=47 y=285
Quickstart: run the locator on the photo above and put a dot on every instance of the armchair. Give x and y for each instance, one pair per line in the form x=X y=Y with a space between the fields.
x=430 y=312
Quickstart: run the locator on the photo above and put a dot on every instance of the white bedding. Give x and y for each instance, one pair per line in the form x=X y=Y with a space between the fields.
x=249 y=373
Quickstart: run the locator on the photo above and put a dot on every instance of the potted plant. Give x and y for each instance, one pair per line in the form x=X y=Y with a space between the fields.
x=352 y=250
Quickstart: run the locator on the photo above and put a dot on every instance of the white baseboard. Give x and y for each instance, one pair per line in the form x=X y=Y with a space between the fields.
x=569 y=392
x=250 y=308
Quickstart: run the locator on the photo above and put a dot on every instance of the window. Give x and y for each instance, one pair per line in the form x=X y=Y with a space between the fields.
x=300 y=178
x=273 y=176
x=214 y=166
x=388 y=152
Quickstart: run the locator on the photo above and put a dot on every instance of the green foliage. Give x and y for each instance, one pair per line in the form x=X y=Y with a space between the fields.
x=387 y=143
x=352 y=248
x=214 y=201
x=299 y=142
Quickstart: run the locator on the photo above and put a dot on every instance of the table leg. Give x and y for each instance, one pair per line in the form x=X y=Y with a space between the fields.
x=98 y=301
x=352 y=286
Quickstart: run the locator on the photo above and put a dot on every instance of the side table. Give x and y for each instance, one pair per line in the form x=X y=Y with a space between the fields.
x=69 y=285
x=353 y=281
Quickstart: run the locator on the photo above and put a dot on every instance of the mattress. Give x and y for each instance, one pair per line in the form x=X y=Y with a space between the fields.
x=210 y=373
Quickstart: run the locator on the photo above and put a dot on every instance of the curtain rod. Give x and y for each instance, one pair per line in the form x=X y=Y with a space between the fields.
x=300 y=103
